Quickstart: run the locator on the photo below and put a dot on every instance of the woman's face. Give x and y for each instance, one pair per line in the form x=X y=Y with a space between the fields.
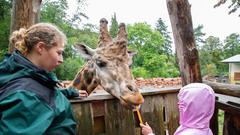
x=53 y=57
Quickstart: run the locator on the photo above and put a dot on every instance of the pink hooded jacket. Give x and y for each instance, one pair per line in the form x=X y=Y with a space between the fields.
x=196 y=103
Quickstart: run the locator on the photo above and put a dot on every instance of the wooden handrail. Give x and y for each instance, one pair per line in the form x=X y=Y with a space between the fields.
x=228 y=107
x=146 y=91
x=226 y=89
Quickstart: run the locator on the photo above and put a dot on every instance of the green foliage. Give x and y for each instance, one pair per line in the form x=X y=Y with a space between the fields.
x=232 y=45
x=212 y=53
x=142 y=37
x=199 y=36
x=233 y=7
x=5 y=18
x=114 y=26
x=162 y=28
x=154 y=58
x=69 y=68
x=140 y=72
x=150 y=60
x=5 y=6
x=86 y=36
x=210 y=70
x=54 y=12
x=220 y=121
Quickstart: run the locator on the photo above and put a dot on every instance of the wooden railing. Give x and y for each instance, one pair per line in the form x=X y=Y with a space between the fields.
x=102 y=114
x=231 y=125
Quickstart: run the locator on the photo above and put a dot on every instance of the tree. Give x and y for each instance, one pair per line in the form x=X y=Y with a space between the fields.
x=114 y=26
x=233 y=7
x=232 y=45
x=54 y=12
x=78 y=14
x=150 y=60
x=24 y=14
x=162 y=28
x=199 y=35
x=142 y=36
x=187 y=53
x=167 y=45
x=211 y=55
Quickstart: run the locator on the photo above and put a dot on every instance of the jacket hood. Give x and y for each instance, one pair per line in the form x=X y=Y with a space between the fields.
x=16 y=66
x=196 y=104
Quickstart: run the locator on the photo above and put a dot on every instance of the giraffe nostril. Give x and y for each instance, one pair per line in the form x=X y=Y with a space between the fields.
x=130 y=87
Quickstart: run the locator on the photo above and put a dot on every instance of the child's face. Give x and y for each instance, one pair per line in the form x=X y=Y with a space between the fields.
x=53 y=57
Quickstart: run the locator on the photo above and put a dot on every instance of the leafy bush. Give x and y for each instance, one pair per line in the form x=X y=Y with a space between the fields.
x=140 y=72
x=69 y=68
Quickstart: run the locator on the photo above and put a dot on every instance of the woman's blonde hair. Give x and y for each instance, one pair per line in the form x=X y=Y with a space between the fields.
x=25 y=39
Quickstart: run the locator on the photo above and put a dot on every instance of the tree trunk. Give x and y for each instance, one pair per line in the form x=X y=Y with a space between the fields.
x=24 y=14
x=187 y=54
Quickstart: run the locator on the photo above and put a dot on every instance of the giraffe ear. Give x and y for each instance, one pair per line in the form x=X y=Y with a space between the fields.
x=131 y=54
x=85 y=51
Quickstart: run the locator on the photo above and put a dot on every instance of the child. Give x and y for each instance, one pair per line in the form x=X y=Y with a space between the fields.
x=146 y=129
x=196 y=102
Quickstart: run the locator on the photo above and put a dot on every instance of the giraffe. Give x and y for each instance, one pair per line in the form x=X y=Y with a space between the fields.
x=108 y=66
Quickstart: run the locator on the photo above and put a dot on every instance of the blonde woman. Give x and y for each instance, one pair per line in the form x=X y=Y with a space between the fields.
x=30 y=99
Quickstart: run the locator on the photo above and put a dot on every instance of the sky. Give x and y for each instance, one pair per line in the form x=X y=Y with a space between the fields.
x=216 y=21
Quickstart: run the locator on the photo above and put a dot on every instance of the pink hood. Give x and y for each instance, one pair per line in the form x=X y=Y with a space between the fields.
x=196 y=103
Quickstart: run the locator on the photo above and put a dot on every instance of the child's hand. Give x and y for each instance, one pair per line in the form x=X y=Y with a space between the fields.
x=146 y=129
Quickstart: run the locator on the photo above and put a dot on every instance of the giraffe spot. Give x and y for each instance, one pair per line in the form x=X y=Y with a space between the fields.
x=95 y=81
x=88 y=77
x=77 y=81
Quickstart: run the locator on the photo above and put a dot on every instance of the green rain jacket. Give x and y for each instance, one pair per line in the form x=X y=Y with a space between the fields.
x=30 y=101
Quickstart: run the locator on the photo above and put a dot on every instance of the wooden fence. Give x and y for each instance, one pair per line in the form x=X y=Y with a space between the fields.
x=101 y=114
x=231 y=125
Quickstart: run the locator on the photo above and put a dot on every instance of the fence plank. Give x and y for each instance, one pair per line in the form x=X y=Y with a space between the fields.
x=83 y=114
x=153 y=112
x=214 y=120
x=172 y=114
x=231 y=124
x=118 y=120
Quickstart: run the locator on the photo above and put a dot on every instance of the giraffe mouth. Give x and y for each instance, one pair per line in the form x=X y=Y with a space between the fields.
x=126 y=105
x=132 y=100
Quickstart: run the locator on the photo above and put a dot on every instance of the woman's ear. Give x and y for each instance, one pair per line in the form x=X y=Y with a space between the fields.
x=40 y=47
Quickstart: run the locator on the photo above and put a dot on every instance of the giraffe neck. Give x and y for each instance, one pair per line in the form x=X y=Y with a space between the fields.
x=86 y=78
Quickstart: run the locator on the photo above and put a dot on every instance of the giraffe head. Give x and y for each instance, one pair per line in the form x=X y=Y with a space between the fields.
x=110 y=63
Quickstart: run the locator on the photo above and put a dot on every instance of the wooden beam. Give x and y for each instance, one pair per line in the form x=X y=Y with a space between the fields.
x=226 y=89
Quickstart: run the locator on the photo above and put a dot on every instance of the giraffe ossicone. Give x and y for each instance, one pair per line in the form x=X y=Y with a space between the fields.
x=109 y=66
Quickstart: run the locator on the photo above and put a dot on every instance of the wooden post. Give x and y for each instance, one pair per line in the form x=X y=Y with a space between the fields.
x=214 y=120
x=24 y=14
x=187 y=54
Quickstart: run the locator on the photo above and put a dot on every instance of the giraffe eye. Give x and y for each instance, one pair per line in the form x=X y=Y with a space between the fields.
x=101 y=63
